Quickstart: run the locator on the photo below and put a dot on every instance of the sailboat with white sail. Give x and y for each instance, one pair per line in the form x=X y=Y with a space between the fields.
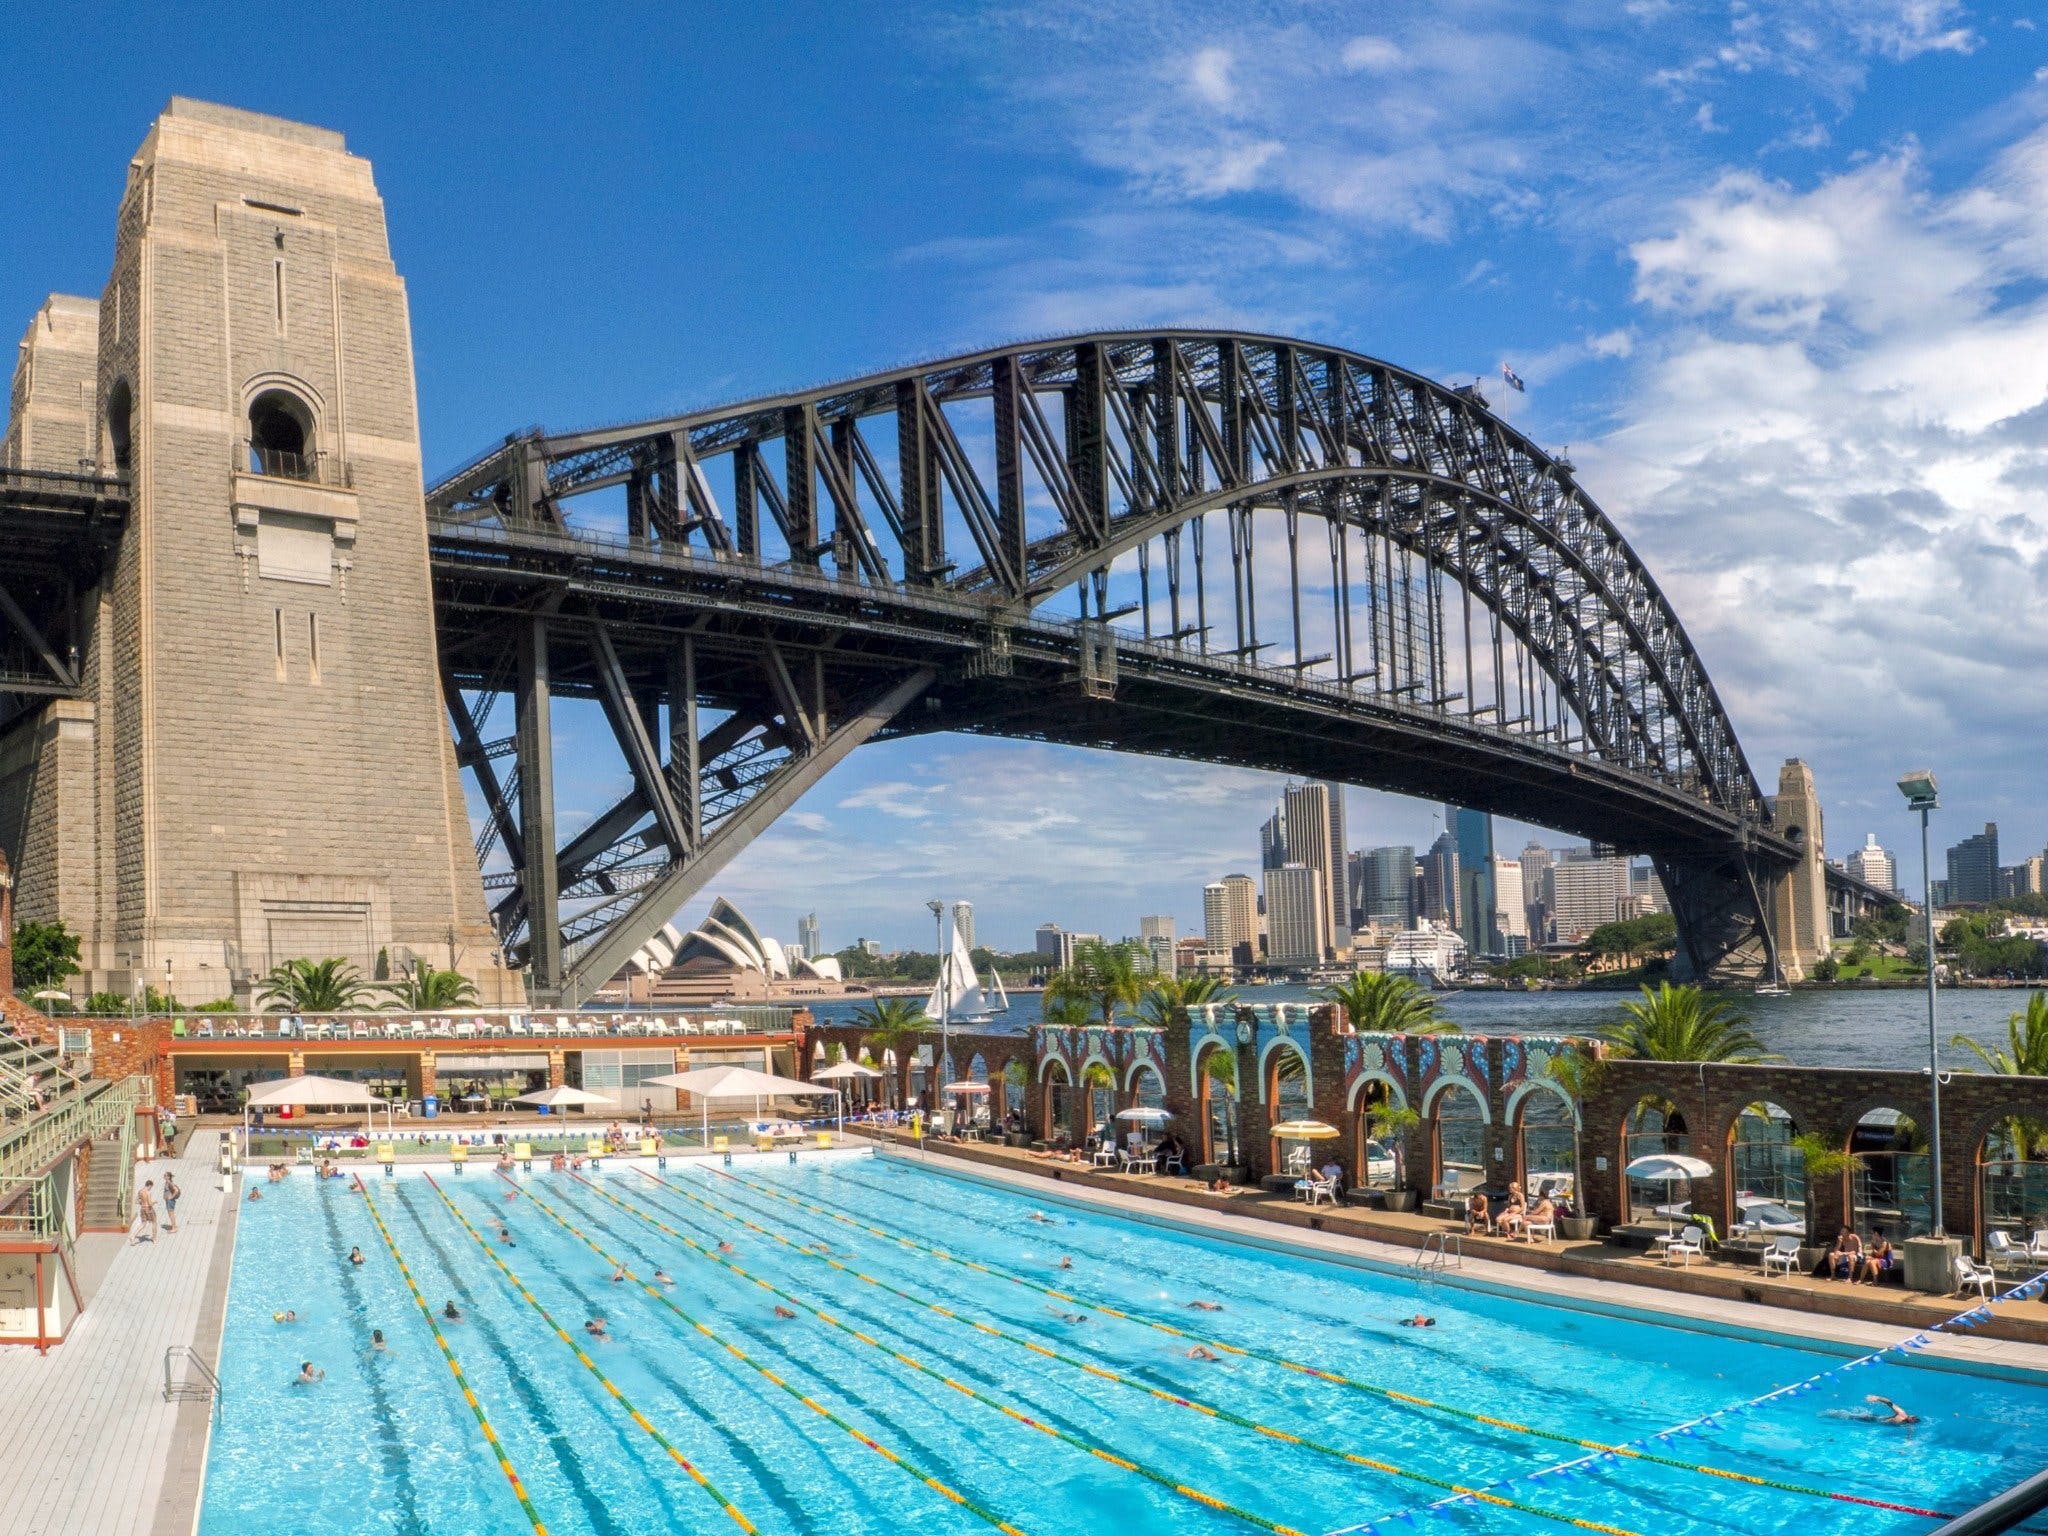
x=958 y=997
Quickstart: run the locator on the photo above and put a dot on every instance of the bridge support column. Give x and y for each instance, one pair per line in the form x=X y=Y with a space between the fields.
x=537 y=809
x=1799 y=897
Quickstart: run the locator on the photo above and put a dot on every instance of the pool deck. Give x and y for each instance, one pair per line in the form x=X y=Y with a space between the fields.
x=93 y=1448
x=1597 y=1273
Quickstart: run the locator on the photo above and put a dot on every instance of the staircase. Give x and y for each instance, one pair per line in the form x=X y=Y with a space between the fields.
x=106 y=1199
x=29 y=1069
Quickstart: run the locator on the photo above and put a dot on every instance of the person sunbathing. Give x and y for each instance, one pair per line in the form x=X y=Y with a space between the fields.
x=1541 y=1215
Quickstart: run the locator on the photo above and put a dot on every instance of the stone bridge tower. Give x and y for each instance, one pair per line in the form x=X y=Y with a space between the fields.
x=262 y=768
x=1799 y=904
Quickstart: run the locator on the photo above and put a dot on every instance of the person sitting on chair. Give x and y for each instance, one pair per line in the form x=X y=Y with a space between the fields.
x=1478 y=1214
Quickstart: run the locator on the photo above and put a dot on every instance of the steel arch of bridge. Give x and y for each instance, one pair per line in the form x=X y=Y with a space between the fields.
x=752 y=591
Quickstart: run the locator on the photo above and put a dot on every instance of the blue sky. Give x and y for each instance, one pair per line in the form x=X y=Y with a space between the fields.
x=1778 y=275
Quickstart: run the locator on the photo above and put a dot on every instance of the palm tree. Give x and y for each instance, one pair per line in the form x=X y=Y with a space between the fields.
x=1169 y=998
x=892 y=1023
x=1220 y=1067
x=424 y=989
x=313 y=986
x=1106 y=977
x=1380 y=1003
x=1683 y=1023
x=2027 y=1033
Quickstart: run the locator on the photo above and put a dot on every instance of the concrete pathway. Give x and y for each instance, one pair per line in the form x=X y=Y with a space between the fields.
x=92 y=1447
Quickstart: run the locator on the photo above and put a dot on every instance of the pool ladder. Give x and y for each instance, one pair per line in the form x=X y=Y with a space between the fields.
x=201 y=1383
x=1440 y=1251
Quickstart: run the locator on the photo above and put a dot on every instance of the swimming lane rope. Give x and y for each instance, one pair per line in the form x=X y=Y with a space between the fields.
x=696 y=1474
x=455 y=1367
x=1195 y=1405
x=1631 y=1451
x=744 y=1358
x=1101 y=1453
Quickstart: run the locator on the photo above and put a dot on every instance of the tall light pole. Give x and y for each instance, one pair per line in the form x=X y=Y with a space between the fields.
x=938 y=910
x=1920 y=792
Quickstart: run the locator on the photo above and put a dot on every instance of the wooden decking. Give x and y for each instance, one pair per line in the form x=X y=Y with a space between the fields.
x=91 y=1445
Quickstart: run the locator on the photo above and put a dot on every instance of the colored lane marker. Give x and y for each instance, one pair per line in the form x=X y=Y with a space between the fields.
x=455 y=1367
x=696 y=1475
x=808 y=1401
x=1137 y=1468
x=1334 y=1378
x=1102 y=1372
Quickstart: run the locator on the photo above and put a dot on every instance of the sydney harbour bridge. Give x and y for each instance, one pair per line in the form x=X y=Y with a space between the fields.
x=1215 y=546
x=221 y=612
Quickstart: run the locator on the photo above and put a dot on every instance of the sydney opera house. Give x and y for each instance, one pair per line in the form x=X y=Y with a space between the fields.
x=725 y=958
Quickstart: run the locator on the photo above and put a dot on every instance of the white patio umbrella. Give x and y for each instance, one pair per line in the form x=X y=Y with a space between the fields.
x=709 y=1083
x=564 y=1097
x=841 y=1070
x=309 y=1092
x=1145 y=1114
x=965 y=1087
x=1667 y=1168
x=51 y=995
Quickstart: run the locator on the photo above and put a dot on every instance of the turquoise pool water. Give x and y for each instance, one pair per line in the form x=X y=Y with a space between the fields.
x=388 y=1443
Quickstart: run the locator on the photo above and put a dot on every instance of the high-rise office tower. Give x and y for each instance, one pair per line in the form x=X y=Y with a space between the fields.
x=1473 y=831
x=807 y=936
x=1273 y=841
x=1340 y=863
x=1873 y=865
x=1048 y=940
x=1536 y=862
x=1973 y=867
x=1440 y=881
x=963 y=922
x=1508 y=924
x=1155 y=926
x=1586 y=893
x=1305 y=816
x=1297 y=915
x=1230 y=917
x=1386 y=892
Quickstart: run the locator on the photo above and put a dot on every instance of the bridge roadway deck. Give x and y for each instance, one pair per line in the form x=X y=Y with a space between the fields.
x=92 y=1448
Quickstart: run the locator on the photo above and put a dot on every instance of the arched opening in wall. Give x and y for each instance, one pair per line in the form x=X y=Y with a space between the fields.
x=2012 y=1185
x=1056 y=1103
x=1653 y=1126
x=1377 y=1144
x=281 y=435
x=1888 y=1183
x=1100 y=1084
x=1767 y=1175
x=1148 y=1088
x=1146 y=1091
x=1014 y=1077
x=1457 y=1120
x=121 y=426
x=1547 y=1144
x=1287 y=1098
x=1216 y=1103
x=977 y=1109
x=891 y=1082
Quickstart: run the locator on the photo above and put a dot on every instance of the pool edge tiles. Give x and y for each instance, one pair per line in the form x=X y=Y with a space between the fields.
x=1350 y=1251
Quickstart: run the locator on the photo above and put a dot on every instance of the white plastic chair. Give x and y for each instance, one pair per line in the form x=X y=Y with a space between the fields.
x=2037 y=1245
x=1315 y=1187
x=1689 y=1244
x=1969 y=1272
x=1782 y=1254
x=2004 y=1253
x=1547 y=1230
x=1106 y=1155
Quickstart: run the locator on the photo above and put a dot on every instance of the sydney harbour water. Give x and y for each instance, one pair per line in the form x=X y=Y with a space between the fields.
x=1874 y=1028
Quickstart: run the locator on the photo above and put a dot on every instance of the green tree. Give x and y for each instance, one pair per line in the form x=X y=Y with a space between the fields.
x=1166 y=1001
x=1106 y=977
x=2026 y=1056
x=332 y=985
x=1826 y=968
x=1381 y=1003
x=1683 y=1023
x=424 y=989
x=44 y=954
x=891 y=1024
x=1631 y=938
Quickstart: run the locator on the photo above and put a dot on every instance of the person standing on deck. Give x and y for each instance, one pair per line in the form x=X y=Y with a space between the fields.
x=145 y=1212
x=171 y=1194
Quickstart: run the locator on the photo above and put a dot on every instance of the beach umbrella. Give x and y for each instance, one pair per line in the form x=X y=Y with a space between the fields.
x=1306 y=1130
x=1145 y=1114
x=709 y=1083
x=965 y=1087
x=51 y=995
x=1668 y=1168
x=312 y=1091
x=842 y=1070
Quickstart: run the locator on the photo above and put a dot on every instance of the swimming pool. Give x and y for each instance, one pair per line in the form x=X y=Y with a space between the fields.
x=938 y=1368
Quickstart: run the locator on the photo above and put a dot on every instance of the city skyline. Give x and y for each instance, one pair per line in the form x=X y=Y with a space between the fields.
x=1741 y=324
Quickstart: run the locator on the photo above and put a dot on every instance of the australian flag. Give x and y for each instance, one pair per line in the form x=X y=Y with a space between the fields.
x=1514 y=380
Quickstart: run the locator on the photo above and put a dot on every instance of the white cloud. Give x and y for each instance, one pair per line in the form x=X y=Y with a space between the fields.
x=1832 y=461
x=1209 y=74
x=907 y=802
x=1370 y=53
x=808 y=821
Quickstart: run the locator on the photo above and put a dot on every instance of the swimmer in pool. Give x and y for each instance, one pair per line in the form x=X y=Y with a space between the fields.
x=618 y=1274
x=1201 y=1352
x=355 y=1255
x=377 y=1345
x=1897 y=1415
x=782 y=1311
x=1042 y=1219
x=1205 y=1306
x=596 y=1327
x=1065 y=1262
x=284 y=1317
x=1418 y=1321
x=727 y=1248
x=452 y=1312
x=662 y=1277
x=309 y=1373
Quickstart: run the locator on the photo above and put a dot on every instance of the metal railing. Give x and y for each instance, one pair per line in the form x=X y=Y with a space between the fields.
x=203 y=1384
x=313 y=468
x=32 y=1200
x=1441 y=1250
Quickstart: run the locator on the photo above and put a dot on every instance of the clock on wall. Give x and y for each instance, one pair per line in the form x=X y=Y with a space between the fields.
x=1244 y=1032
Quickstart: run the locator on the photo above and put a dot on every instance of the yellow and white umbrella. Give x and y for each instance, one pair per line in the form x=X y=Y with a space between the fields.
x=1306 y=1130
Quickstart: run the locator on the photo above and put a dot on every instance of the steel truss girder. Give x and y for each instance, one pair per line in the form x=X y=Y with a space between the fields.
x=1148 y=424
